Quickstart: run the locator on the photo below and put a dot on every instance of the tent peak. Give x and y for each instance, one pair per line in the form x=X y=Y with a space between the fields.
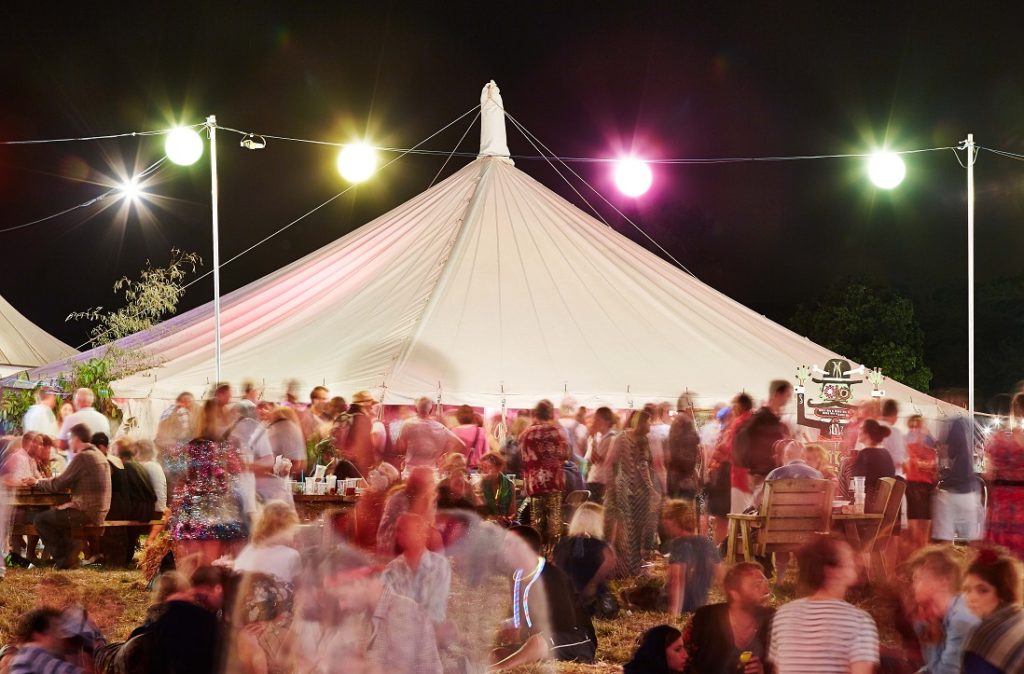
x=493 y=142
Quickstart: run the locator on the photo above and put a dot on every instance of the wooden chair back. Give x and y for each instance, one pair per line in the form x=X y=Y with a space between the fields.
x=575 y=499
x=794 y=510
x=887 y=500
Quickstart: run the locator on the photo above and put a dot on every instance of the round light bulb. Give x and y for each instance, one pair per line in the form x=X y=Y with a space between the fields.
x=183 y=146
x=356 y=163
x=632 y=177
x=130 y=189
x=886 y=170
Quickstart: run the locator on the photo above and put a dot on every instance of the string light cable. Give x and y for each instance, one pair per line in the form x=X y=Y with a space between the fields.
x=129 y=134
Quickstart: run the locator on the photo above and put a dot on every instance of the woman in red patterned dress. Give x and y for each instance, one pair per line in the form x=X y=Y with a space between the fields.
x=1004 y=454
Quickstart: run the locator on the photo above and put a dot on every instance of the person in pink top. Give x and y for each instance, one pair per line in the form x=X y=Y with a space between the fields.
x=472 y=435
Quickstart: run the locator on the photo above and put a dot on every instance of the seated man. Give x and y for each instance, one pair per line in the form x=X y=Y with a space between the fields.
x=88 y=479
x=935 y=575
x=547 y=623
x=794 y=467
x=720 y=633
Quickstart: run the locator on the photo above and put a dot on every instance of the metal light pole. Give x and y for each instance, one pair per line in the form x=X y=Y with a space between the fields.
x=969 y=144
x=211 y=125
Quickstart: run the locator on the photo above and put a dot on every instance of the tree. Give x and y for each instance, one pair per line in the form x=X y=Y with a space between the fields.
x=871 y=325
x=149 y=299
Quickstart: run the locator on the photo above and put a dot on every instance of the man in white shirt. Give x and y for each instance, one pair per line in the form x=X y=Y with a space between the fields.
x=424 y=440
x=40 y=417
x=84 y=414
x=657 y=438
x=896 y=443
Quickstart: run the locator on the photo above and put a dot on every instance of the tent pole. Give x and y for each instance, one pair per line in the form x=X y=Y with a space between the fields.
x=211 y=124
x=970 y=274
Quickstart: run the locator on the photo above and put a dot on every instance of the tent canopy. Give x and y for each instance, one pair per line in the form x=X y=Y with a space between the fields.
x=487 y=289
x=24 y=345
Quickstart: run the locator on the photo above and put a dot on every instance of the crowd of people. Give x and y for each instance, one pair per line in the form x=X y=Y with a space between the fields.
x=560 y=501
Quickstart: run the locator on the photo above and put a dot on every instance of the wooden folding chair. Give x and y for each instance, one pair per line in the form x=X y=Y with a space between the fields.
x=887 y=500
x=572 y=501
x=793 y=511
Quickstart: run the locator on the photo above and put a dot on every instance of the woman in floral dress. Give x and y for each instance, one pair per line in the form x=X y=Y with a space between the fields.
x=206 y=515
x=1004 y=455
x=631 y=520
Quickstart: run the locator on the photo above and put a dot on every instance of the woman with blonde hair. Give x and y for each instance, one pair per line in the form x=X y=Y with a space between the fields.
x=816 y=456
x=586 y=558
x=270 y=551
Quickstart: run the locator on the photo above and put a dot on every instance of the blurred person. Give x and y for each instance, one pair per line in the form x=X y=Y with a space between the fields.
x=992 y=592
x=250 y=392
x=600 y=458
x=816 y=456
x=145 y=453
x=873 y=461
x=498 y=492
x=206 y=514
x=399 y=636
x=359 y=440
x=957 y=512
x=511 y=449
x=657 y=440
x=631 y=520
x=187 y=636
x=20 y=460
x=418 y=495
x=794 y=466
x=575 y=428
x=285 y=436
x=41 y=649
x=361 y=526
x=922 y=471
x=88 y=479
x=544 y=450
x=548 y=623
x=65 y=410
x=270 y=550
x=473 y=436
x=821 y=633
x=757 y=442
x=176 y=427
x=417 y=573
x=587 y=559
x=84 y=414
x=692 y=559
x=718 y=634
x=254 y=451
x=660 y=650
x=896 y=442
x=39 y=417
x=935 y=583
x=132 y=497
x=423 y=440
x=341 y=453
x=573 y=477
x=291 y=397
x=222 y=409
x=720 y=480
x=316 y=416
x=1004 y=472
x=456 y=492
x=683 y=452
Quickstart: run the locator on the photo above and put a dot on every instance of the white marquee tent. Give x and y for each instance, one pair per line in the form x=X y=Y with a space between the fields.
x=486 y=289
x=24 y=345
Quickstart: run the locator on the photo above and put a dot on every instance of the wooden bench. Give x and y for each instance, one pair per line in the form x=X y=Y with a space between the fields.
x=90 y=530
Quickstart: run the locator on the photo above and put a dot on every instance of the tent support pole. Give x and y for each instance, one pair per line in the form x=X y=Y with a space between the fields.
x=211 y=124
x=970 y=274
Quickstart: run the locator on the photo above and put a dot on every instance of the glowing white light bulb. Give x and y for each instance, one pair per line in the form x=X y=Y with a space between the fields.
x=357 y=162
x=633 y=177
x=130 y=189
x=886 y=170
x=183 y=146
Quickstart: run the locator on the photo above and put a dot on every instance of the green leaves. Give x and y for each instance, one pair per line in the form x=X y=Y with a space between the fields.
x=871 y=325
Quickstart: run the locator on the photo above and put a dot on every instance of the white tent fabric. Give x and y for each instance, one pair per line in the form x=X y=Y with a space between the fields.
x=487 y=289
x=24 y=345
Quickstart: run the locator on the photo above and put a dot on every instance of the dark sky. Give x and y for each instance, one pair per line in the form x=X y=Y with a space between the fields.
x=677 y=79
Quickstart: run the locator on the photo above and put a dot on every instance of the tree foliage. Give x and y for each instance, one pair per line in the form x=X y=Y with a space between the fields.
x=871 y=325
x=149 y=299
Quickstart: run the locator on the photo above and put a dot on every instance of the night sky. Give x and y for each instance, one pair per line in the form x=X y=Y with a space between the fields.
x=589 y=79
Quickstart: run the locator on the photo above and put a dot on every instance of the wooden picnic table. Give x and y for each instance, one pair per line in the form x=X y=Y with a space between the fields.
x=311 y=506
x=30 y=498
x=742 y=524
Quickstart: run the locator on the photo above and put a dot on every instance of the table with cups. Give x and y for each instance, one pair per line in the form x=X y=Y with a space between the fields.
x=315 y=496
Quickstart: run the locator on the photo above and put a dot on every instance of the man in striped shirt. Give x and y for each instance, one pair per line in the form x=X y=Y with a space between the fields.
x=822 y=633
